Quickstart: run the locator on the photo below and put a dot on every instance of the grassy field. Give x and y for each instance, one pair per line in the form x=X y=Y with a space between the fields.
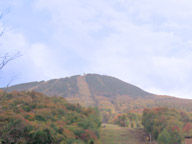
x=113 y=134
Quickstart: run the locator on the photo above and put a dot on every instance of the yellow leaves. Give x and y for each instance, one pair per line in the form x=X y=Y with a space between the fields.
x=68 y=133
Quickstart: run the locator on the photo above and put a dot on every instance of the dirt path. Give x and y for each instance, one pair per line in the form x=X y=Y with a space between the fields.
x=113 y=134
x=84 y=92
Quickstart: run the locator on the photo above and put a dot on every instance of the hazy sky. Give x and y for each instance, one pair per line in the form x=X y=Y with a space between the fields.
x=144 y=42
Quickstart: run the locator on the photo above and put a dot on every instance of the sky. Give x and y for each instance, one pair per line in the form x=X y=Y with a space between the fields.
x=147 y=43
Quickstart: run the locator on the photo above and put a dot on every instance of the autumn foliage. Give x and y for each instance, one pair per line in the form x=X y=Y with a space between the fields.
x=167 y=125
x=129 y=119
x=33 y=118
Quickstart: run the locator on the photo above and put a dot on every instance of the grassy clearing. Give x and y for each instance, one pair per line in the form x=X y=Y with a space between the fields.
x=113 y=134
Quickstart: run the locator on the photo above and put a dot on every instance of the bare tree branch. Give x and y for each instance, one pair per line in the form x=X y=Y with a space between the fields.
x=3 y=61
x=7 y=58
x=6 y=89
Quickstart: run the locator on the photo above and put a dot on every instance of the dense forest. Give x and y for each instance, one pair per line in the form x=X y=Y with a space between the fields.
x=33 y=118
x=167 y=126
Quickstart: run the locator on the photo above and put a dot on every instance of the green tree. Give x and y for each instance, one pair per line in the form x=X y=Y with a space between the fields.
x=164 y=137
x=42 y=137
x=176 y=137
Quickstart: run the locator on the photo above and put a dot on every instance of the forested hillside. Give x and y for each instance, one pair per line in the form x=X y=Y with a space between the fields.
x=110 y=95
x=33 y=118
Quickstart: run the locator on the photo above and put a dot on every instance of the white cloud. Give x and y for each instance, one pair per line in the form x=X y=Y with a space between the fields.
x=144 y=42
x=143 y=45
x=37 y=62
x=13 y=41
x=45 y=60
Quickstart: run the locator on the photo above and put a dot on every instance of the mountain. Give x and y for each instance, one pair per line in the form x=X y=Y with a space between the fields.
x=87 y=89
x=90 y=84
x=109 y=94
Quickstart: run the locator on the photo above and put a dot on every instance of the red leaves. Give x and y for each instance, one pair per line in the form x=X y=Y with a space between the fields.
x=187 y=127
x=88 y=135
x=49 y=116
x=175 y=128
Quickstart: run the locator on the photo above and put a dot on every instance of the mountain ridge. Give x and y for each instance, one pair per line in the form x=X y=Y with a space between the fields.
x=109 y=94
x=104 y=83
